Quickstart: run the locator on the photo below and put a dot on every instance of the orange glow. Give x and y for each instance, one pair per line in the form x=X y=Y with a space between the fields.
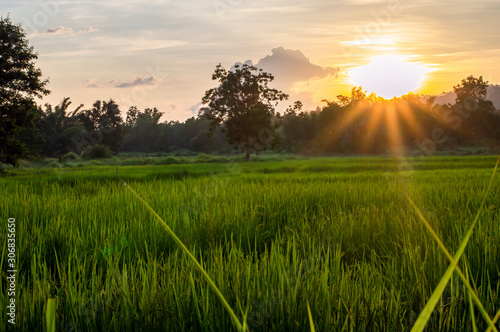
x=389 y=76
x=385 y=122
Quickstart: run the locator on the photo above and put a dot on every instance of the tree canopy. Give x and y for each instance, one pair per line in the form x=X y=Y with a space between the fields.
x=243 y=104
x=20 y=83
x=476 y=111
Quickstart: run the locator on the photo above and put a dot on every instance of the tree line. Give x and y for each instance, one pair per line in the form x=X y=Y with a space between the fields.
x=238 y=114
x=355 y=124
x=62 y=129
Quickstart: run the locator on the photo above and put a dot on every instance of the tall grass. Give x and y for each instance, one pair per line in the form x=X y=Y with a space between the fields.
x=336 y=235
x=424 y=316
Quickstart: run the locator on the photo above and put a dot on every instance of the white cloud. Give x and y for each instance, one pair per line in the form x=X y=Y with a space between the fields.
x=67 y=31
x=125 y=83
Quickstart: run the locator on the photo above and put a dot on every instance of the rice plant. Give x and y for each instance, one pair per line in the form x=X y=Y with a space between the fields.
x=334 y=241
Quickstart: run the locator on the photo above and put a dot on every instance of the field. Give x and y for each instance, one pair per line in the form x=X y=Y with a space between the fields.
x=338 y=234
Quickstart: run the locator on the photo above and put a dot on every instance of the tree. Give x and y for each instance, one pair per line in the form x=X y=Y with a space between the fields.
x=132 y=114
x=104 y=123
x=61 y=130
x=244 y=105
x=471 y=100
x=357 y=96
x=470 y=92
x=145 y=133
x=20 y=83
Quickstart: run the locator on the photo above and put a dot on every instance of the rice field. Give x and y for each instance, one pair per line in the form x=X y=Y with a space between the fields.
x=337 y=234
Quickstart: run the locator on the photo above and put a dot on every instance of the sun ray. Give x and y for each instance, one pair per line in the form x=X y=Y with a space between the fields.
x=351 y=116
x=374 y=122
x=394 y=133
x=331 y=132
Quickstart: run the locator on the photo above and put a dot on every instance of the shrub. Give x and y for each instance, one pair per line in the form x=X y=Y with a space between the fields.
x=168 y=161
x=23 y=163
x=97 y=152
x=70 y=156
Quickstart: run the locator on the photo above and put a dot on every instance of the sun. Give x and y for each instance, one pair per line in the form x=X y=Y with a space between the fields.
x=389 y=76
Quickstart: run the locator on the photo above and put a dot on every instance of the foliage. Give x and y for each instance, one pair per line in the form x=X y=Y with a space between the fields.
x=479 y=116
x=144 y=132
x=355 y=124
x=20 y=84
x=99 y=151
x=274 y=236
x=104 y=123
x=61 y=129
x=244 y=105
x=70 y=156
x=411 y=124
x=470 y=92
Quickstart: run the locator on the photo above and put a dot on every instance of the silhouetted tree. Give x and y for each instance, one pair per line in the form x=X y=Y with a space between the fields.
x=479 y=116
x=61 y=130
x=132 y=114
x=104 y=123
x=145 y=133
x=20 y=83
x=244 y=105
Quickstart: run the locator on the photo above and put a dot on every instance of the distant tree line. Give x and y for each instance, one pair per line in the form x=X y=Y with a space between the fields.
x=238 y=114
x=367 y=124
x=61 y=130
x=355 y=124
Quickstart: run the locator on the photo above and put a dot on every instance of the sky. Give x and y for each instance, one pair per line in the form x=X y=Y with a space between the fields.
x=162 y=53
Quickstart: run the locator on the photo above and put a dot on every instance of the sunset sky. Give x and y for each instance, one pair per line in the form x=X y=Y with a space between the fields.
x=162 y=53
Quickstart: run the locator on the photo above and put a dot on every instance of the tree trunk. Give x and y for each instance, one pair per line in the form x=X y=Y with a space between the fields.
x=247 y=157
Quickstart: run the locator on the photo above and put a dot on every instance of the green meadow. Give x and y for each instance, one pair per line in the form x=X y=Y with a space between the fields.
x=337 y=234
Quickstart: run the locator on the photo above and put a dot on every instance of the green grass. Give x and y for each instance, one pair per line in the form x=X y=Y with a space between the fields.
x=337 y=235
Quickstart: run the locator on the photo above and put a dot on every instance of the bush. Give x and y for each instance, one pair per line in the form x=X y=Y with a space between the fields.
x=70 y=156
x=97 y=152
x=23 y=163
x=168 y=161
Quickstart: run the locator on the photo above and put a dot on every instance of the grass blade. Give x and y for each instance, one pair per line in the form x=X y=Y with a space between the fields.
x=424 y=316
x=495 y=319
x=471 y=305
x=50 y=315
x=181 y=245
x=311 y=323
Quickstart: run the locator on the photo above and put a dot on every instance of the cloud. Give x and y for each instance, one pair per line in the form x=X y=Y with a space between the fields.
x=292 y=66
x=67 y=31
x=195 y=108
x=88 y=30
x=135 y=81
x=58 y=31
x=295 y=73
x=126 y=83
x=92 y=83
